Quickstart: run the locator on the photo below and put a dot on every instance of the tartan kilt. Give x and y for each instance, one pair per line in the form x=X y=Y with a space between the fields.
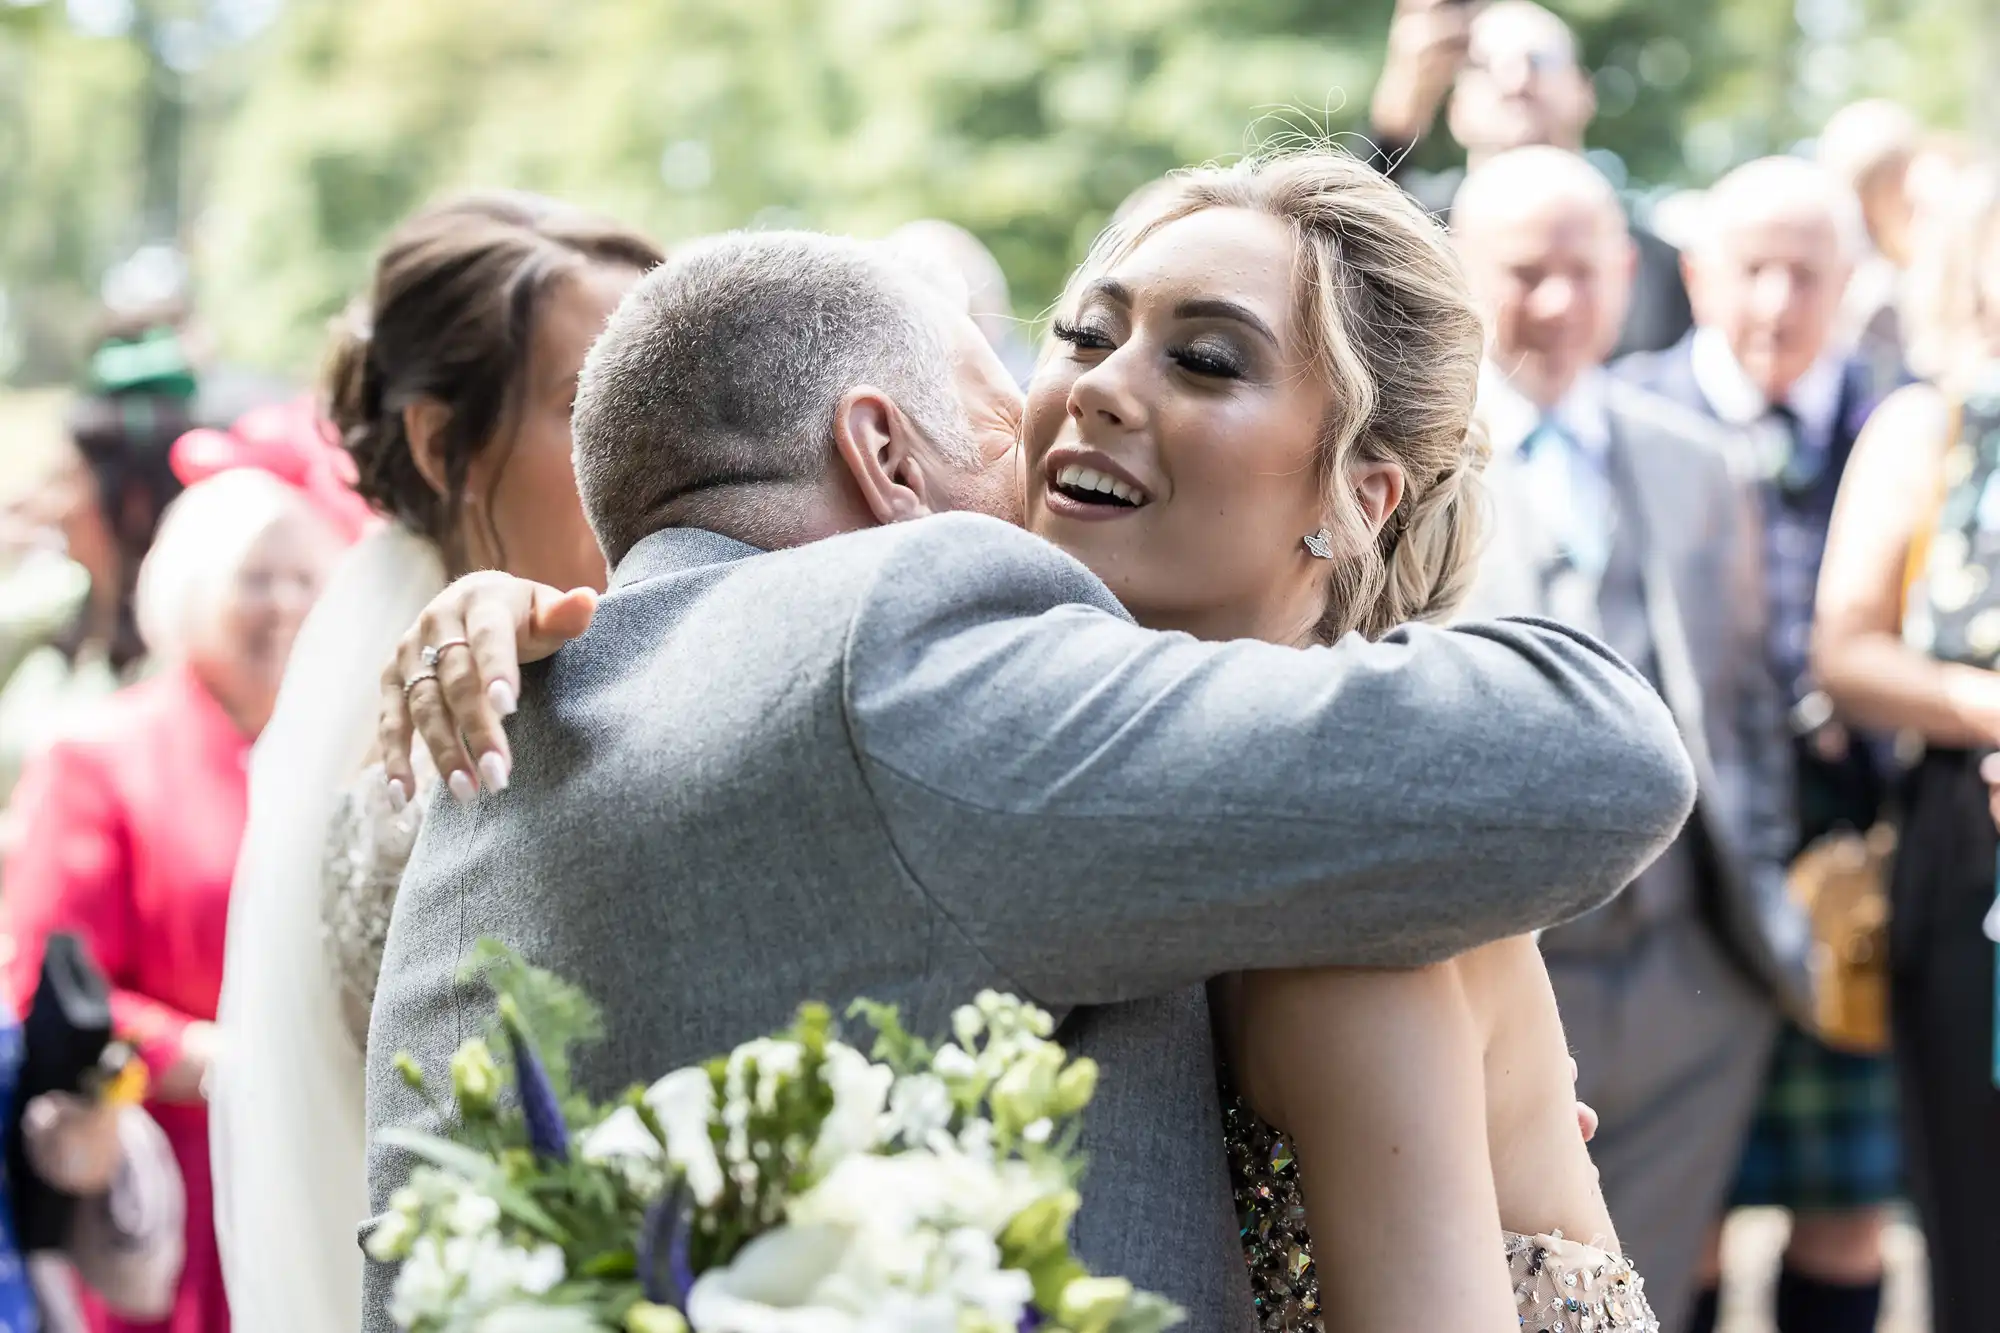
x=1825 y=1136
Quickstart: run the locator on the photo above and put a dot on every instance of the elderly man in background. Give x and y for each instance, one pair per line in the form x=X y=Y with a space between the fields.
x=1869 y=148
x=1767 y=276
x=1619 y=513
x=1511 y=74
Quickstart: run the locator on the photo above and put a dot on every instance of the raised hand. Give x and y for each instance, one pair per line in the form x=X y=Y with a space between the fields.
x=456 y=676
x=1428 y=40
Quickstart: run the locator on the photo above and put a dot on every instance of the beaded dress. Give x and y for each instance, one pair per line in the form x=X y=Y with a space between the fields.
x=368 y=843
x=1560 y=1286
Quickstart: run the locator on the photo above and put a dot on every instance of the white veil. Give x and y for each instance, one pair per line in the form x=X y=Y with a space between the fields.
x=286 y=1110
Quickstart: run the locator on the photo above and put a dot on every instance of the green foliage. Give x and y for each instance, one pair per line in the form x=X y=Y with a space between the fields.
x=1026 y=120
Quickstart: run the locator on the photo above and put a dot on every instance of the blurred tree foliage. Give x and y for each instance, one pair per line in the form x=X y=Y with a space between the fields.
x=1025 y=120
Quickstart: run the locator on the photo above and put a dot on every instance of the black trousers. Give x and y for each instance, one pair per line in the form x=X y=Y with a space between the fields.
x=1942 y=973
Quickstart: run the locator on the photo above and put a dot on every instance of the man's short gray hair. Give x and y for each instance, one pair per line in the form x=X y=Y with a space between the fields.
x=725 y=365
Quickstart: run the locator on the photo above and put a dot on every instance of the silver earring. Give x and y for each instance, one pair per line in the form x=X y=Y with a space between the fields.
x=1320 y=544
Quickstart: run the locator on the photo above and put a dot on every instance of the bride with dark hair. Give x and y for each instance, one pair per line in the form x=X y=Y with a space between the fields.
x=450 y=384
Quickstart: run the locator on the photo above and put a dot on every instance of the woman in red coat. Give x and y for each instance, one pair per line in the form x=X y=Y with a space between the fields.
x=129 y=829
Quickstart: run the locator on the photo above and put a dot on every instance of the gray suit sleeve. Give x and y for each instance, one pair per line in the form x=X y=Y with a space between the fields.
x=1105 y=811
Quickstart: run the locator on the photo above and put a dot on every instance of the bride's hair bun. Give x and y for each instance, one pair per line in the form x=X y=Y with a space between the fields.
x=449 y=317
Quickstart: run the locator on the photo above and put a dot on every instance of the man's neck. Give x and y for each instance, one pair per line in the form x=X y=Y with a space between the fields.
x=771 y=516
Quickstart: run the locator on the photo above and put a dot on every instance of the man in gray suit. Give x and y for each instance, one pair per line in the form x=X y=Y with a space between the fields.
x=1619 y=513
x=807 y=750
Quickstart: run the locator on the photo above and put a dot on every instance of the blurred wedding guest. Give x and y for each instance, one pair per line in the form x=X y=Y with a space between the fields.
x=130 y=826
x=1508 y=76
x=959 y=252
x=1935 y=184
x=1618 y=513
x=1767 y=274
x=1908 y=637
x=68 y=634
x=125 y=1235
x=450 y=382
x=1868 y=147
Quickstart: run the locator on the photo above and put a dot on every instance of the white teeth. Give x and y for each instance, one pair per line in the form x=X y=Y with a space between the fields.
x=1077 y=477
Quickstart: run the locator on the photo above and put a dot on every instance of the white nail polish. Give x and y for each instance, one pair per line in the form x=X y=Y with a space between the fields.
x=502 y=696
x=398 y=798
x=462 y=788
x=493 y=767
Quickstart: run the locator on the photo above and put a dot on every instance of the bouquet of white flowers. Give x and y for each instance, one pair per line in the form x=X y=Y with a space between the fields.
x=796 y=1185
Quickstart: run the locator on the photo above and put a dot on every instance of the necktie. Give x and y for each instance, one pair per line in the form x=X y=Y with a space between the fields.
x=1789 y=460
x=1570 y=497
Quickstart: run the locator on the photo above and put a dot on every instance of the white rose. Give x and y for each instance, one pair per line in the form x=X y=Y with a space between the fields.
x=424 y=1285
x=919 y=1106
x=542 y=1271
x=860 y=1091
x=621 y=1134
x=684 y=1104
x=771 y=1285
x=978 y=1280
x=472 y=1214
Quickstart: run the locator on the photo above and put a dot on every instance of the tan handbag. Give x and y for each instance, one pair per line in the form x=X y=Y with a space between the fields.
x=1842 y=882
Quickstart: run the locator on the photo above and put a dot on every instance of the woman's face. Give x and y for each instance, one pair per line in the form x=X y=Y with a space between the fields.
x=522 y=513
x=242 y=651
x=1172 y=433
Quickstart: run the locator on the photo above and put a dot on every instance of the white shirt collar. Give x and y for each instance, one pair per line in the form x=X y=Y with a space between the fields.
x=1814 y=399
x=1511 y=416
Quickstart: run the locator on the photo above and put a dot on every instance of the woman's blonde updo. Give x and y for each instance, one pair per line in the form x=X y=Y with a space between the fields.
x=1387 y=319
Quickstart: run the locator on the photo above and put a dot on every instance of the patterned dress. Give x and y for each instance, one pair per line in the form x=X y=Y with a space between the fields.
x=367 y=845
x=1944 y=977
x=1560 y=1286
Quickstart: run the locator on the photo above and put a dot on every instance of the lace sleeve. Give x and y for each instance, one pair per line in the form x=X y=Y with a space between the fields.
x=368 y=845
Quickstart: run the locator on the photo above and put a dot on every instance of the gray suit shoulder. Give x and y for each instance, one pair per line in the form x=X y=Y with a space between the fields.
x=1658 y=422
x=960 y=559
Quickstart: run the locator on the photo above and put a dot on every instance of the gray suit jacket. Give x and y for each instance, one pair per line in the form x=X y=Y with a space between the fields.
x=1688 y=519
x=915 y=761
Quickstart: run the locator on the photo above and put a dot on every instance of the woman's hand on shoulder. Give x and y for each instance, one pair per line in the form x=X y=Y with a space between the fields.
x=456 y=675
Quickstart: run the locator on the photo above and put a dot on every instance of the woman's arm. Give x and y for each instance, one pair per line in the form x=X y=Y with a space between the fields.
x=1888 y=496
x=1379 y=1078
x=71 y=871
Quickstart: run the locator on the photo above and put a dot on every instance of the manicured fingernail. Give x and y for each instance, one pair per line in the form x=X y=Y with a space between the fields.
x=502 y=696
x=493 y=767
x=462 y=788
x=398 y=797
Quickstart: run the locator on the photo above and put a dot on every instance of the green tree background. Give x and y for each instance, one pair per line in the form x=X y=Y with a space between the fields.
x=312 y=127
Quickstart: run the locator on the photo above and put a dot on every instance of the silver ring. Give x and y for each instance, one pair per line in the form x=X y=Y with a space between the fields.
x=432 y=652
x=428 y=673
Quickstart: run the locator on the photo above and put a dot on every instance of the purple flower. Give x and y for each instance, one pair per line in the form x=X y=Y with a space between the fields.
x=1031 y=1319
x=665 y=1270
x=540 y=1107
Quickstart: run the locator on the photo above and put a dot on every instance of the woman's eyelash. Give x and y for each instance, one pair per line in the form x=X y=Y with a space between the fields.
x=1208 y=361
x=1078 y=335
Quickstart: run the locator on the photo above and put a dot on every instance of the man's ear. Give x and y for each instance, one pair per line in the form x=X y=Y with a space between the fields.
x=881 y=452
